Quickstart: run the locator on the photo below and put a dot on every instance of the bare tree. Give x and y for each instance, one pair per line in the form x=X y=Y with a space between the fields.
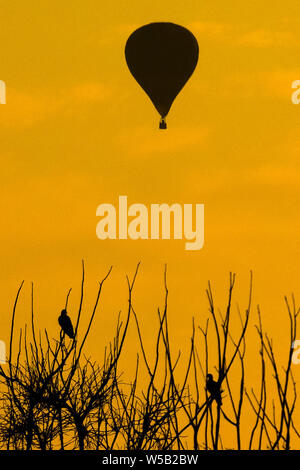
x=55 y=397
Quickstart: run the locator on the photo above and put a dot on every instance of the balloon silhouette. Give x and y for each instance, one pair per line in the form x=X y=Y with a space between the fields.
x=162 y=57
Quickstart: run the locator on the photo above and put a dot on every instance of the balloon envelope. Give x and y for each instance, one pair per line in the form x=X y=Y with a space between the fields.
x=162 y=57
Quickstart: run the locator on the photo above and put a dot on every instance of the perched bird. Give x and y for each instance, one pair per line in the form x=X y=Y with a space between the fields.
x=66 y=324
x=214 y=389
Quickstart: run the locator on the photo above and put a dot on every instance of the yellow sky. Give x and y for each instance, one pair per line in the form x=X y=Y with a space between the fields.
x=78 y=131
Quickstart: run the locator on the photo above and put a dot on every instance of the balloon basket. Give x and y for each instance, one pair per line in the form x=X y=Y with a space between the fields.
x=163 y=124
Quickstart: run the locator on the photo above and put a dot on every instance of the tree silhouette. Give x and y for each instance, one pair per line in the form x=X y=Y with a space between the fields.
x=54 y=397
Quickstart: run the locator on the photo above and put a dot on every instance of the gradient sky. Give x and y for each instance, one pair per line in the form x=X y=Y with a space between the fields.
x=78 y=131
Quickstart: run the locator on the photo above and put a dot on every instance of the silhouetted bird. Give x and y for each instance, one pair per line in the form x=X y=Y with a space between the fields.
x=214 y=389
x=66 y=324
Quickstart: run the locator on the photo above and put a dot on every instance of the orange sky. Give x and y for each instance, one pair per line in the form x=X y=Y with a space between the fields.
x=78 y=131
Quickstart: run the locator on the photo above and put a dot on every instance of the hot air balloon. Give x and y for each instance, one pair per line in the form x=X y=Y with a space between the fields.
x=162 y=57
